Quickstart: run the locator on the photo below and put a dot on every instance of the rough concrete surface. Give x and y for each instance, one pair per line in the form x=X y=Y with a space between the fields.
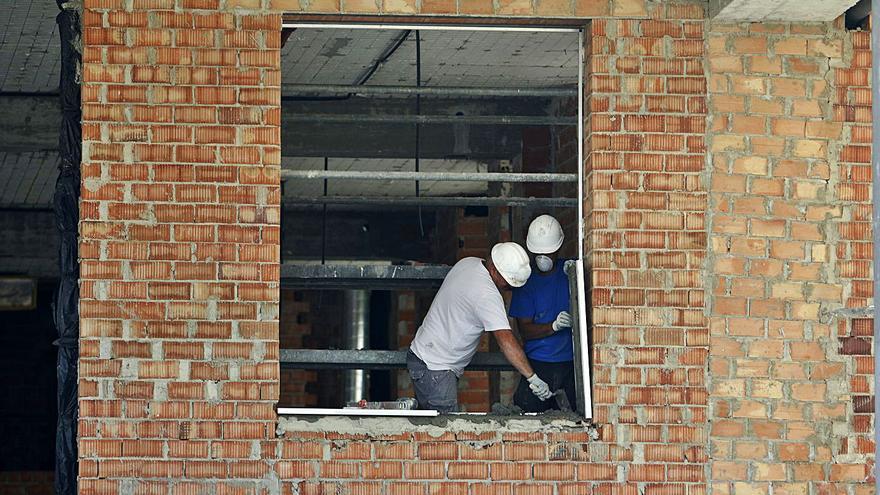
x=778 y=10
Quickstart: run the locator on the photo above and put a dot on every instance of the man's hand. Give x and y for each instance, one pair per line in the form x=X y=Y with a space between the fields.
x=563 y=320
x=539 y=387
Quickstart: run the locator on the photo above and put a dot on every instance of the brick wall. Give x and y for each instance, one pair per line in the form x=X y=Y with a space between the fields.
x=27 y=482
x=179 y=240
x=790 y=247
x=646 y=242
x=447 y=456
x=178 y=374
x=299 y=388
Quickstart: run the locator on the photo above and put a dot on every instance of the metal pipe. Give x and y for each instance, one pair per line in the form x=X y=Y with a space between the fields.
x=426 y=90
x=438 y=176
x=419 y=127
x=324 y=216
x=355 y=336
x=428 y=27
x=875 y=217
x=433 y=201
x=374 y=360
x=434 y=119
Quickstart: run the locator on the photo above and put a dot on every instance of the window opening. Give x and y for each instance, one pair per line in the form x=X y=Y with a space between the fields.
x=417 y=145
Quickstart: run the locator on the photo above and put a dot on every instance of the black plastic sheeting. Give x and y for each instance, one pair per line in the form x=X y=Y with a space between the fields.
x=66 y=204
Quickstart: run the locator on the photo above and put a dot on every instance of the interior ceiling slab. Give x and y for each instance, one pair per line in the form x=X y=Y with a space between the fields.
x=480 y=59
x=778 y=10
x=30 y=53
x=27 y=179
x=30 y=62
x=487 y=59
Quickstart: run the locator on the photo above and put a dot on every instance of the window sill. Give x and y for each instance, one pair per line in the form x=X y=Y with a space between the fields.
x=292 y=422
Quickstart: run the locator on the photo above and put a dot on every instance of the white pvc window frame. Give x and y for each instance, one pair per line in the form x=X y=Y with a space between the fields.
x=581 y=295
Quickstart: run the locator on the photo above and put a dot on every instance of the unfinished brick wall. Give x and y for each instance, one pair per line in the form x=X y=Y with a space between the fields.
x=790 y=247
x=178 y=375
x=451 y=456
x=298 y=387
x=27 y=482
x=179 y=330
x=646 y=243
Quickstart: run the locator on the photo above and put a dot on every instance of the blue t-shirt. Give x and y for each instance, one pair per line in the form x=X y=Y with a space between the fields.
x=542 y=298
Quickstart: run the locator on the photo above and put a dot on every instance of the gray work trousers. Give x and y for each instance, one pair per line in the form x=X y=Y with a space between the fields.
x=434 y=389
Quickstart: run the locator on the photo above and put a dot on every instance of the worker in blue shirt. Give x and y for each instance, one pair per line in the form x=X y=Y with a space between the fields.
x=541 y=309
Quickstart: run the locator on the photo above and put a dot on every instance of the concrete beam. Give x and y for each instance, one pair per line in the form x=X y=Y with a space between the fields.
x=28 y=243
x=777 y=10
x=30 y=122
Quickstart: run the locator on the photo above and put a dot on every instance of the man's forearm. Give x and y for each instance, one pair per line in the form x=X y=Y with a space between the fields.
x=530 y=330
x=513 y=352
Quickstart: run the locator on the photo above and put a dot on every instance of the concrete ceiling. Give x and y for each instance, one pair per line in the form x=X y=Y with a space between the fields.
x=30 y=53
x=27 y=179
x=480 y=59
x=487 y=59
x=778 y=10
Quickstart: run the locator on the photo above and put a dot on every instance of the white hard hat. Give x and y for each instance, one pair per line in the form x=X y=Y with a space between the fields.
x=512 y=262
x=545 y=235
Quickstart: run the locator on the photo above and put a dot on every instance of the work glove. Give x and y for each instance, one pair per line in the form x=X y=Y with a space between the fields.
x=539 y=387
x=563 y=320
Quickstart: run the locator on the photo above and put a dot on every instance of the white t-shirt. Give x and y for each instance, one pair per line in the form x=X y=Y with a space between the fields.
x=467 y=304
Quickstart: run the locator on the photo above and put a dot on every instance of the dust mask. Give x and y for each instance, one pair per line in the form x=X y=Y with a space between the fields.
x=544 y=263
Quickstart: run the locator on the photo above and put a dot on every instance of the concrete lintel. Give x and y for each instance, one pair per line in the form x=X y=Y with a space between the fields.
x=778 y=10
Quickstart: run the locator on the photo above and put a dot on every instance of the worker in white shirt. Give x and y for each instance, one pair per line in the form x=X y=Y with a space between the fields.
x=542 y=311
x=469 y=303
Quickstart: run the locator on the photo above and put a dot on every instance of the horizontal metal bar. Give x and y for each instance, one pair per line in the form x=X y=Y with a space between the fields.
x=364 y=271
x=427 y=176
x=431 y=201
x=373 y=360
x=424 y=90
x=434 y=119
x=428 y=27
x=314 y=276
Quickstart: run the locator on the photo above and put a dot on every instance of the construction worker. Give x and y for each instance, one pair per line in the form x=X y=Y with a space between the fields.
x=541 y=309
x=469 y=303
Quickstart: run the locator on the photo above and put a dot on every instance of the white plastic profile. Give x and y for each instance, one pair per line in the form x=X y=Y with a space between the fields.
x=428 y=27
x=330 y=411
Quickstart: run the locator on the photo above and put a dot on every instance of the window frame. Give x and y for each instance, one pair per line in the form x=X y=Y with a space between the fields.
x=581 y=332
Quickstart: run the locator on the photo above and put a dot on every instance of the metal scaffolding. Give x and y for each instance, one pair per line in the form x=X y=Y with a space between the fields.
x=345 y=276
x=437 y=176
x=524 y=120
x=300 y=89
x=347 y=359
x=433 y=201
